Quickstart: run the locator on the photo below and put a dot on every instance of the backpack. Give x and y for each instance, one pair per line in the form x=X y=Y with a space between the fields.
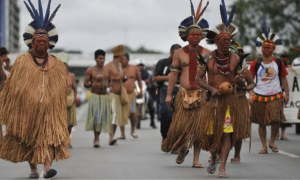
x=279 y=64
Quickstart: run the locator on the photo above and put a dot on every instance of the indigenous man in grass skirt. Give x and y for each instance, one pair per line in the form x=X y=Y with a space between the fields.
x=268 y=99
x=33 y=101
x=244 y=130
x=99 y=111
x=186 y=126
x=220 y=111
x=72 y=91
x=119 y=98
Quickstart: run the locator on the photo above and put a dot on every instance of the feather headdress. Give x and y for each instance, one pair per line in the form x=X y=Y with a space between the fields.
x=269 y=38
x=237 y=48
x=40 y=22
x=194 y=21
x=226 y=27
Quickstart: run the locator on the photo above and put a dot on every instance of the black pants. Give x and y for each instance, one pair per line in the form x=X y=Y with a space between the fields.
x=166 y=119
x=151 y=110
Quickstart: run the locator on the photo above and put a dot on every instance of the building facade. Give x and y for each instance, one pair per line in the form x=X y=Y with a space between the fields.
x=9 y=24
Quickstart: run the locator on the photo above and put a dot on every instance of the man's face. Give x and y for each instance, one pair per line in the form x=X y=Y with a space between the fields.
x=40 y=45
x=285 y=60
x=140 y=66
x=267 y=50
x=124 y=61
x=194 y=37
x=223 y=43
x=100 y=60
x=4 y=57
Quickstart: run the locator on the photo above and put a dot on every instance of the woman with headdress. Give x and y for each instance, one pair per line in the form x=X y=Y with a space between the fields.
x=220 y=110
x=268 y=98
x=33 y=100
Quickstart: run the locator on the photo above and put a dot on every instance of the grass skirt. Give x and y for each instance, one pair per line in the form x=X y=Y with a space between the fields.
x=99 y=113
x=243 y=122
x=267 y=113
x=36 y=126
x=118 y=117
x=185 y=129
x=213 y=114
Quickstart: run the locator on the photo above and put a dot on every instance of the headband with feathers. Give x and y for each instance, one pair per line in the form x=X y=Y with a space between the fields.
x=225 y=27
x=194 y=21
x=268 y=37
x=40 y=22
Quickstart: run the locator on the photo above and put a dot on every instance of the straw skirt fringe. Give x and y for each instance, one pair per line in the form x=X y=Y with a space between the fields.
x=36 y=121
x=267 y=113
x=185 y=129
x=118 y=117
x=243 y=122
x=213 y=114
x=99 y=113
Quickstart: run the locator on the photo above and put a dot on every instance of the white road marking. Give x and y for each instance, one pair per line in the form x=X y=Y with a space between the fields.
x=288 y=154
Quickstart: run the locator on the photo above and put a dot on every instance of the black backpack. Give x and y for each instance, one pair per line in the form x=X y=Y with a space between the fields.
x=279 y=64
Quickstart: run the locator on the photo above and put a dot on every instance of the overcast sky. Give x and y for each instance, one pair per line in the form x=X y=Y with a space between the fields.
x=88 y=25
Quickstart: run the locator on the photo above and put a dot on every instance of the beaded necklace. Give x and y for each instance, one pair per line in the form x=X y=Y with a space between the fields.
x=42 y=64
x=223 y=64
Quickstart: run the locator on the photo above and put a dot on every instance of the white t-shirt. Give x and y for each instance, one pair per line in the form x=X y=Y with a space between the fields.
x=268 y=82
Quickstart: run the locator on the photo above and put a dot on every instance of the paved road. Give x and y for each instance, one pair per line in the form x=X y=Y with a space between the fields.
x=142 y=159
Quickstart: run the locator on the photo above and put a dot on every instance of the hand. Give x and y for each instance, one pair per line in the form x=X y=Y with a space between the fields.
x=239 y=79
x=250 y=99
x=215 y=92
x=168 y=101
x=140 y=95
x=285 y=99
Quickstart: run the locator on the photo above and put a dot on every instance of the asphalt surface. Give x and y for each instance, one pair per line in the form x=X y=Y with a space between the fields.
x=142 y=158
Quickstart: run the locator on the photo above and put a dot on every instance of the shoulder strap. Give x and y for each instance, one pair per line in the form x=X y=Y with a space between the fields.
x=279 y=64
x=257 y=65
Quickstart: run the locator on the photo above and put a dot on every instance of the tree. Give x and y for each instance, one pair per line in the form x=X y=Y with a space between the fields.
x=282 y=16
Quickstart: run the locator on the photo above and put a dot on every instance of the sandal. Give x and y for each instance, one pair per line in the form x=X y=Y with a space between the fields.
x=182 y=157
x=235 y=161
x=197 y=165
x=34 y=175
x=96 y=145
x=263 y=151
x=223 y=175
x=212 y=169
x=113 y=142
x=134 y=135
x=284 y=138
x=274 y=148
x=50 y=173
x=122 y=138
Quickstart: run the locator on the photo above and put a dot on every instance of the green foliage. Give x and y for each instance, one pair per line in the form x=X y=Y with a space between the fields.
x=282 y=16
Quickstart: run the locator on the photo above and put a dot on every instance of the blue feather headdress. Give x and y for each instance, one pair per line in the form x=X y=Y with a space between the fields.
x=226 y=27
x=268 y=38
x=40 y=22
x=194 y=21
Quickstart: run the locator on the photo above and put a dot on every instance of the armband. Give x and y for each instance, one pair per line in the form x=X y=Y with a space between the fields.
x=174 y=69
